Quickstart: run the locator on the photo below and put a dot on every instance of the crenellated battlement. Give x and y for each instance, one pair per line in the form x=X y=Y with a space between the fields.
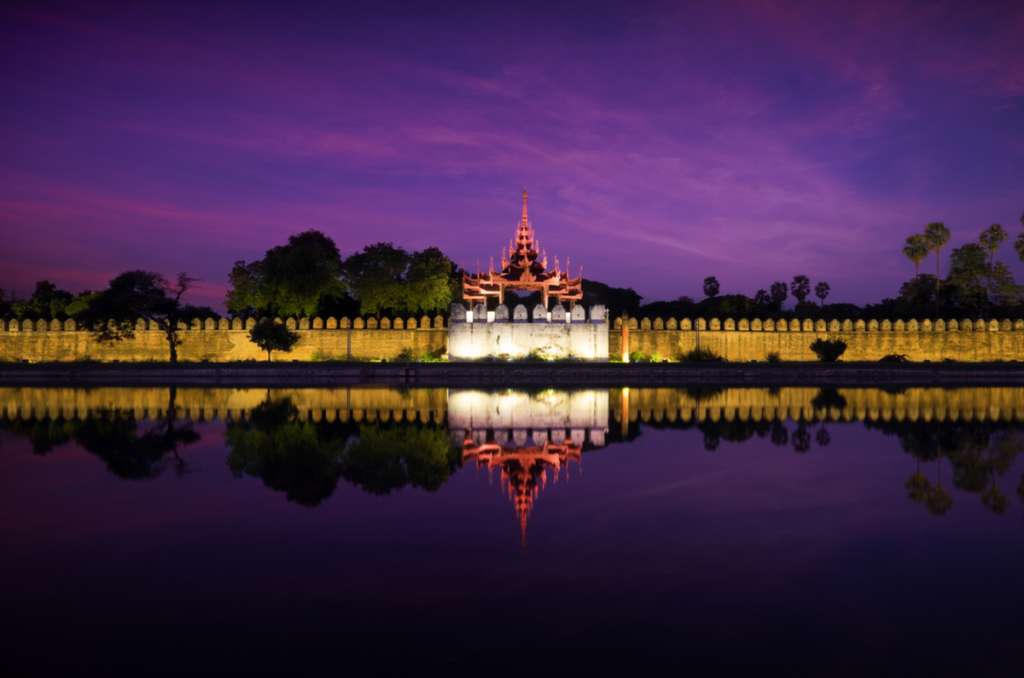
x=240 y=324
x=479 y=313
x=819 y=326
x=744 y=340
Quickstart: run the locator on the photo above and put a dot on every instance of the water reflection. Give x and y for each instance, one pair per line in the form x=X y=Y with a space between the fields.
x=527 y=439
x=300 y=442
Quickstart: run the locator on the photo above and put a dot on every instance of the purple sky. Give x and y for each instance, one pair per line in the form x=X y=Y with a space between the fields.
x=659 y=143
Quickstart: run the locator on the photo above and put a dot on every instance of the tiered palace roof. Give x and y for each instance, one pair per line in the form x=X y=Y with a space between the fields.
x=523 y=266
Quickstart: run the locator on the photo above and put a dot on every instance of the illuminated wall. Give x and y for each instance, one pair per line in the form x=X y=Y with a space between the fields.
x=516 y=417
x=747 y=340
x=479 y=333
x=226 y=340
x=559 y=334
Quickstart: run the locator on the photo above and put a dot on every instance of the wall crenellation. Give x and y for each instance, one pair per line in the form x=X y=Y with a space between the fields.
x=224 y=339
x=808 y=325
x=743 y=340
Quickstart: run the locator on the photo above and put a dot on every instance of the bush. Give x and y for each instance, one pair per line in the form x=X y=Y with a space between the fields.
x=640 y=357
x=702 y=355
x=828 y=350
x=894 y=358
x=773 y=357
x=406 y=355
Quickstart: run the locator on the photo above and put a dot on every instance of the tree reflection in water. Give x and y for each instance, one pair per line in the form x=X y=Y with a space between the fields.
x=976 y=432
x=130 y=448
x=304 y=459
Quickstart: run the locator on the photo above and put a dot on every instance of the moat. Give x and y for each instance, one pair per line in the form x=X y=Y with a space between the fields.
x=376 y=529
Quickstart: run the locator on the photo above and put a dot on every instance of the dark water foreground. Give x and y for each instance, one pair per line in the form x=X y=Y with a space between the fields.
x=808 y=531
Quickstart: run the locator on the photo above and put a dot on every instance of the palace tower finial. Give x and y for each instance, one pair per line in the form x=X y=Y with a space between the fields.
x=525 y=269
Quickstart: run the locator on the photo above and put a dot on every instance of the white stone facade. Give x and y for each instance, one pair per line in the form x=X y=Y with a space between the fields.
x=549 y=334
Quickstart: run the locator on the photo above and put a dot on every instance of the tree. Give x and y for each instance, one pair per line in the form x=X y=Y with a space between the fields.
x=384 y=277
x=762 y=298
x=779 y=292
x=916 y=249
x=289 y=280
x=967 y=285
x=112 y=314
x=271 y=335
x=800 y=287
x=711 y=287
x=1018 y=245
x=936 y=235
x=991 y=239
x=821 y=291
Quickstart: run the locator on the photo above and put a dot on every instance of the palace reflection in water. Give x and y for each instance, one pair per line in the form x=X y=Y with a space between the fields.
x=302 y=442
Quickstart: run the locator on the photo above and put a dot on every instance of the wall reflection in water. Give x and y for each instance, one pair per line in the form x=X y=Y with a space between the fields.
x=301 y=442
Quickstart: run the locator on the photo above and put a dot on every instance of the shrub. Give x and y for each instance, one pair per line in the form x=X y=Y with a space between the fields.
x=894 y=358
x=702 y=355
x=773 y=357
x=640 y=357
x=406 y=355
x=828 y=350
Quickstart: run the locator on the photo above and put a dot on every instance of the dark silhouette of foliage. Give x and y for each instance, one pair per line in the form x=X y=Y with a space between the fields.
x=800 y=288
x=112 y=314
x=711 y=287
x=821 y=291
x=828 y=350
x=936 y=235
x=779 y=292
x=916 y=249
x=617 y=300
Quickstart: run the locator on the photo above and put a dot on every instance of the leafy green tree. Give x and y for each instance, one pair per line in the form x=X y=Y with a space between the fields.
x=711 y=287
x=800 y=288
x=821 y=291
x=111 y=314
x=916 y=249
x=387 y=278
x=270 y=336
x=289 y=280
x=47 y=302
x=936 y=235
x=779 y=292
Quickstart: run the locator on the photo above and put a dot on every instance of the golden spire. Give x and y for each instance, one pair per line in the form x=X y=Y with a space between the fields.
x=525 y=219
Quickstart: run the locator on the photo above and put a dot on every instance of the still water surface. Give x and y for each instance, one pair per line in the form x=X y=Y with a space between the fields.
x=373 y=530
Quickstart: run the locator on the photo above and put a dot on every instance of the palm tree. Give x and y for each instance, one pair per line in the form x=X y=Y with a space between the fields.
x=916 y=249
x=936 y=235
x=821 y=291
x=800 y=287
x=991 y=238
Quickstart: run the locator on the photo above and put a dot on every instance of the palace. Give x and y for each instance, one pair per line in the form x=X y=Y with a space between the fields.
x=523 y=267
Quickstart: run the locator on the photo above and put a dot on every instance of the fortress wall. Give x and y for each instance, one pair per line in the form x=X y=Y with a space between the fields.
x=225 y=340
x=743 y=340
x=582 y=336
